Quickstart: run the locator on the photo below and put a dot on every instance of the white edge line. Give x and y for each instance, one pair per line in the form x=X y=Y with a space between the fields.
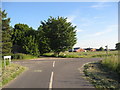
x=51 y=81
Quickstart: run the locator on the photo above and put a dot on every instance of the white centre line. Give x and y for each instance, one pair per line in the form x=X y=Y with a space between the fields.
x=51 y=81
x=53 y=63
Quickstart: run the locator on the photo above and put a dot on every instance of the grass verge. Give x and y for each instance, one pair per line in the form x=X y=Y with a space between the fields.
x=11 y=72
x=21 y=56
x=112 y=62
x=89 y=54
x=102 y=77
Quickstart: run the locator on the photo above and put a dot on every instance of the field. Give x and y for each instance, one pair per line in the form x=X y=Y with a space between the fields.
x=83 y=54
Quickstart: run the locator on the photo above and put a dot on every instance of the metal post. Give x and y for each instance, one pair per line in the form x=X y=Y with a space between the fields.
x=9 y=60
x=107 y=50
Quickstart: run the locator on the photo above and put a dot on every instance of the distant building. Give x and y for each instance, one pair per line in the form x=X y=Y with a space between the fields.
x=93 y=50
x=112 y=49
x=80 y=50
x=77 y=49
x=71 y=50
x=90 y=49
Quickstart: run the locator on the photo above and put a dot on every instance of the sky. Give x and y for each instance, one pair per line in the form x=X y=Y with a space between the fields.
x=97 y=22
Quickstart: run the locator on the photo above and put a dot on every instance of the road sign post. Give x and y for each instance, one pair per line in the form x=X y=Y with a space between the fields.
x=7 y=57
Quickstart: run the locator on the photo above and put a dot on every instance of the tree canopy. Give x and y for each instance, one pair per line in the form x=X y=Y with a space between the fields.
x=24 y=38
x=101 y=49
x=6 y=34
x=60 y=34
x=54 y=34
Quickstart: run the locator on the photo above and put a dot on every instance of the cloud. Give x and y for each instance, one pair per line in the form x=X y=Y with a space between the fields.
x=71 y=18
x=107 y=30
x=79 y=30
x=100 y=5
x=97 y=17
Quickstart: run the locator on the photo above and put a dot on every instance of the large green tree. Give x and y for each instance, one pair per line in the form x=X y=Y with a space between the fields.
x=43 y=42
x=60 y=34
x=118 y=46
x=6 y=34
x=24 y=39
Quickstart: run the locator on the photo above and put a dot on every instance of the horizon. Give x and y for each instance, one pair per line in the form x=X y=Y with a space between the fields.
x=97 y=22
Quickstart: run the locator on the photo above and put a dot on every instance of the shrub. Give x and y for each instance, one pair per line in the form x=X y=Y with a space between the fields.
x=22 y=56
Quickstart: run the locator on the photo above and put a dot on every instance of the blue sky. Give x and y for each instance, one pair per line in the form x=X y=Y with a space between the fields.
x=97 y=22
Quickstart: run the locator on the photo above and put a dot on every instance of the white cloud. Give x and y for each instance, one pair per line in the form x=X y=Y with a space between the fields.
x=71 y=18
x=97 y=17
x=79 y=30
x=107 y=30
x=100 y=5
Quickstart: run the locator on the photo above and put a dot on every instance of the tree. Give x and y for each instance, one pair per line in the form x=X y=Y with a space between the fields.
x=59 y=33
x=43 y=42
x=118 y=46
x=6 y=34
x=101 y=49
x=31 y=46
x=19 y=34
x=24 y=38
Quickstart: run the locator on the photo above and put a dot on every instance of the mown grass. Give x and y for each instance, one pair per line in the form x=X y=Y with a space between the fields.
x=102 y=77
x=10 y=72
x=82 y=54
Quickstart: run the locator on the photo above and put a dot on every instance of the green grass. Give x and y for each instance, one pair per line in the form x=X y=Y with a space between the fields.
x=104 y=74
x=11 y=72
x=22 y=56
x=102 y=77
x=112 y=62
x=82 y=54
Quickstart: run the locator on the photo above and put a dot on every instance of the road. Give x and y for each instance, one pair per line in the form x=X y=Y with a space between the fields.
x=52 y=73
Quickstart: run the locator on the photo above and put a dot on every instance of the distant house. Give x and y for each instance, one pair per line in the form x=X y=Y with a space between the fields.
x=93 y=50
x=90 y=49
x=80 y=50
x=77 y=49
x=71 y=50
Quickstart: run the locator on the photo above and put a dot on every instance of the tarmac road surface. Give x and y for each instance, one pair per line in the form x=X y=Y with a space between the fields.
x=52 y=73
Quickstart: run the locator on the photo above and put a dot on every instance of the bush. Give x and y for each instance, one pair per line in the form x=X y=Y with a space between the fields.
x=22 y=56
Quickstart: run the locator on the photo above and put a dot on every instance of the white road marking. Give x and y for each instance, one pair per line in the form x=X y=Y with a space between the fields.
x=51 y=81
x=54 y=64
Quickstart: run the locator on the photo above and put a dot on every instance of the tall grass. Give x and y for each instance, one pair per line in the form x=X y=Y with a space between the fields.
x=112 y=62
x=82 y=54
